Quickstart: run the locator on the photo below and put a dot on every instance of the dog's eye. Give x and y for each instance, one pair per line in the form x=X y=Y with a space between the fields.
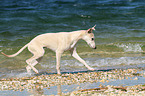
x=92 y=39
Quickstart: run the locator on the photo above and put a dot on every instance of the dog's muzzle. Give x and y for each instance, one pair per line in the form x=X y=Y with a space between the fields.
x=95 y=47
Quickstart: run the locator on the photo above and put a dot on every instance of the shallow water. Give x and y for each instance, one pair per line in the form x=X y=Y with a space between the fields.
x=119 y=30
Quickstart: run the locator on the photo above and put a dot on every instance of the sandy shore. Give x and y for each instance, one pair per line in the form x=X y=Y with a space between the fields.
x=46 y=81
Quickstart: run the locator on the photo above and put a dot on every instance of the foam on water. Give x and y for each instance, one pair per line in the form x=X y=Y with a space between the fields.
x=131 y=47
x=71 y=65
x=104 y=62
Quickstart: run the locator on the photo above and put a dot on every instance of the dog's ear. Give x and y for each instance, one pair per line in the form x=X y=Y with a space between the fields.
x=91 y=29
x=94 y=27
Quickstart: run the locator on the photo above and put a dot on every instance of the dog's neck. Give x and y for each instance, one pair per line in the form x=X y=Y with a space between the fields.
x=77 y=35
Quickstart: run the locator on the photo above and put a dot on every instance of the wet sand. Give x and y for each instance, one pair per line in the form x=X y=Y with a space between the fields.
x=107 y=82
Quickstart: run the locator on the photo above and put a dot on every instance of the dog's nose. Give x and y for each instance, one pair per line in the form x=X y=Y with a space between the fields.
x=95 y=47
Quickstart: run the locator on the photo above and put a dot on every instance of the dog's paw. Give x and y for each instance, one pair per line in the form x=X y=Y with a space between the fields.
x=36 y=71
x=58 y=71
x=92 y=69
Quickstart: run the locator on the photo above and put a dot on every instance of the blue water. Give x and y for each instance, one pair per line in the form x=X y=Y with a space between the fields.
x=114 y=18
x=119 y=28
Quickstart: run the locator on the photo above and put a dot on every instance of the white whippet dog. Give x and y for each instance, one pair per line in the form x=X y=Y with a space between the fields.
x=58 y=42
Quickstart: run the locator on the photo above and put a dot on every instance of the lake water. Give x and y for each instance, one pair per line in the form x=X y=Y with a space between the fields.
x=119 y=34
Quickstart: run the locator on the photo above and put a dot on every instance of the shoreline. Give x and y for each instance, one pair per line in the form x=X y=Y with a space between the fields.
x=78 y=80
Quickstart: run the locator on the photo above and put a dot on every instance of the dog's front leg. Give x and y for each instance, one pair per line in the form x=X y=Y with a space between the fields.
x=75 y=55
x=58 y=57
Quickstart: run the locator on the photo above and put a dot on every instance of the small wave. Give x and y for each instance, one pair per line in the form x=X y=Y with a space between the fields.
x=104 y=62
x=6 y=34
x=95 y=62
x=130 y=47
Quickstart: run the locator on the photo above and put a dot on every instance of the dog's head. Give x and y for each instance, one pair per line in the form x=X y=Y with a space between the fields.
x=89 y=37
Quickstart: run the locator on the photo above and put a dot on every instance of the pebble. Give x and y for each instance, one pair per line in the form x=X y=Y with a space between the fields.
x=135 y=78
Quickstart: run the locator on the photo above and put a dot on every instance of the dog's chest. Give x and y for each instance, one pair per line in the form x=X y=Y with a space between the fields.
x=73 y=44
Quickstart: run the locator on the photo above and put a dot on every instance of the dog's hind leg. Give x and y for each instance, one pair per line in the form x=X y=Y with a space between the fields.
x=28 y=68
x=33 y=64
x=37 y=53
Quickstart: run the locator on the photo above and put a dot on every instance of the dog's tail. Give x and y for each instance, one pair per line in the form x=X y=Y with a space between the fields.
x=13 y=55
